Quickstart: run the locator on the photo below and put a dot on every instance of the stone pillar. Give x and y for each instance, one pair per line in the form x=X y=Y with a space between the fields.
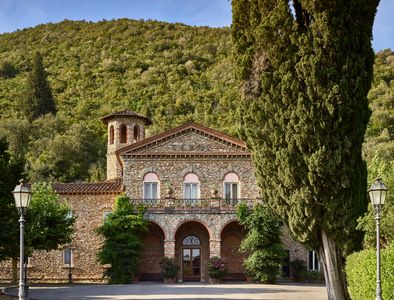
x=214 y=248
x=169 y=248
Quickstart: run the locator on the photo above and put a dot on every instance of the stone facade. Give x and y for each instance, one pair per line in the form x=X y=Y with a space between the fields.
x=209 y=219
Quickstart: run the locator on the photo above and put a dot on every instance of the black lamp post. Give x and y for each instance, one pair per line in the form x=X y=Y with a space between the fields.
x=377 y=193
x=22 y=196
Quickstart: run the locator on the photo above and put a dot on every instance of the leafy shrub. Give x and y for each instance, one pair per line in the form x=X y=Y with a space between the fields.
x=298 y=270
x=314 y=276
x=122 y=241
x=217 y=268
x=361 y=273
x=169 y=268
x=262 y=241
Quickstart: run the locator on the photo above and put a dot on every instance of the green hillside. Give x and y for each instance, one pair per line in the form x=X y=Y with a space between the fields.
x=172 y=73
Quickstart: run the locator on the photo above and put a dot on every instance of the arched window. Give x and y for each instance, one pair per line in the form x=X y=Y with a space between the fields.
x=136 y=133
x=123 y=134
x=111 y=135
x=191 y=240
x=151 y=188
x=191 y=189
x=231 y=188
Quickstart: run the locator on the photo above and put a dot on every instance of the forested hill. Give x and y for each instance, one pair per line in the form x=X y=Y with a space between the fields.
x=172 y=73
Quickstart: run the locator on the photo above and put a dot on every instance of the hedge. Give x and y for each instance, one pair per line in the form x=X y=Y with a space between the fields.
x=361 y=274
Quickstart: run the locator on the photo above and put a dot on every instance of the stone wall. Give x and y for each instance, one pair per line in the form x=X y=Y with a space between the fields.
x=210 y=172
x=49 y=267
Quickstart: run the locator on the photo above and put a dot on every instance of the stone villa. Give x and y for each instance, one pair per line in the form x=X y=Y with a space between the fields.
x=190 y=177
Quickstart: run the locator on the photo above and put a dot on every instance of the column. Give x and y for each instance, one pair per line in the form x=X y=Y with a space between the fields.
x=169 y=248
x=214 y=248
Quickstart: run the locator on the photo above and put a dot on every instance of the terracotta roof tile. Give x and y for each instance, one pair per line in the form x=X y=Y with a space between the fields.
x=113 y=186
x=126 y=114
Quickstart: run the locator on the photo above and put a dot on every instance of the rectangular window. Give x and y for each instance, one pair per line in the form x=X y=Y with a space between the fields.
x=231 y=192
x=313 y=262
x=67 y=257
x=106 y=213
x=191 y=193
x=150 y=192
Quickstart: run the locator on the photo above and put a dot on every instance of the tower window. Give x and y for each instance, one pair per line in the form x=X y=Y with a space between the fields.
x=111 y=134
x=123 y=134
x=136 y=133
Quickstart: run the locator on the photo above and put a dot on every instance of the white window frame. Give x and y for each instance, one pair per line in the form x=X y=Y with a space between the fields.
x=191 y=200
x=29 y=262
x=232 y=200
x=105 y=214
x=71 y=257
x=150 y=183
x=315 y=261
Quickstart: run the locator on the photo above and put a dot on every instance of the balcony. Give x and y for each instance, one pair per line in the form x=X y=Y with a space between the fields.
x=212 y=204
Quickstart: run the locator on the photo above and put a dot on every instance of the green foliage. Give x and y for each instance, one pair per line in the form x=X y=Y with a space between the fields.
x=49 y=222
x=9 y=233
x=379 y=147
x=379 y=167
x=305 y=110
x=172 y=73
x=169 y=267
x=122 y=241
x=361 y=274
x=262 y=241
x=217 y=268
x=37 y=99
x=7 y=70
x=298 y=269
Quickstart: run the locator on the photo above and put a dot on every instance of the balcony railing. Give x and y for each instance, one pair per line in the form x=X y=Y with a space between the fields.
x=198 y=204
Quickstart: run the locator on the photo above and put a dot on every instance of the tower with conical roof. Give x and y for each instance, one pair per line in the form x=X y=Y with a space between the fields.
x=124 y=128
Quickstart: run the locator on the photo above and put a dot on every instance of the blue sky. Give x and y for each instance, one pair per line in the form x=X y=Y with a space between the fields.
x=19 y=14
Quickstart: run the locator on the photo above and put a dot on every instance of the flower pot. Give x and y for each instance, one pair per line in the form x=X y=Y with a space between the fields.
x=170 y=280
x=215 y=280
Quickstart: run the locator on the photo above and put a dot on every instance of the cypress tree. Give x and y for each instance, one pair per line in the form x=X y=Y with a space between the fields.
x=37 y=99
x=306 y=68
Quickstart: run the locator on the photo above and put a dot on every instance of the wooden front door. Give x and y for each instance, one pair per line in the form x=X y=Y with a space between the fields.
x=191 y=264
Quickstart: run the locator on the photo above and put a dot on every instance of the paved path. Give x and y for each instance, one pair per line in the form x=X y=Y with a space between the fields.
x=179 y=291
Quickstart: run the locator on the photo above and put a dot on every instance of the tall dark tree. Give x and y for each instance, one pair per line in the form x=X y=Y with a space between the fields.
x=37 y=99
x=307 y=68
x=9 y=238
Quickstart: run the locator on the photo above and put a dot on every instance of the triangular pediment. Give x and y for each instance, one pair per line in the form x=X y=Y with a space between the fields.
x=190 y=139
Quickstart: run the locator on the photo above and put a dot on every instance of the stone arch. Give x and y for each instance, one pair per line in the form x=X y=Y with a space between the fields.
x=191 y=256
x=152 y=253
x=231 y=236
x=191 y=168
x=210 y=233
x=230 y=169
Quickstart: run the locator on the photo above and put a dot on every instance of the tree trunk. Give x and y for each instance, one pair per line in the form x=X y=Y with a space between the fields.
x=331 y=260
x=14 y=270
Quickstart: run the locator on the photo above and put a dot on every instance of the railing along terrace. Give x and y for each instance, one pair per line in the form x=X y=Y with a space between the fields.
x=211 y=203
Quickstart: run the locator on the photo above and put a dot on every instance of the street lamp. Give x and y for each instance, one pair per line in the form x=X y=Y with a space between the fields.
x=22 y=196
x=377 y=193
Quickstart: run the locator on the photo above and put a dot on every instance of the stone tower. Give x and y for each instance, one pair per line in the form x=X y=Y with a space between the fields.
x=124 y=128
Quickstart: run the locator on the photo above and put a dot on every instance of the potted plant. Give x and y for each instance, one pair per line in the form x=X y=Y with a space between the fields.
x=169 y=269
x=217 y=269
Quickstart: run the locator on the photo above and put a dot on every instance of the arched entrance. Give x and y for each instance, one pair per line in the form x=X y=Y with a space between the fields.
x=231 y=237
x=152 y=253
x=192 y=251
